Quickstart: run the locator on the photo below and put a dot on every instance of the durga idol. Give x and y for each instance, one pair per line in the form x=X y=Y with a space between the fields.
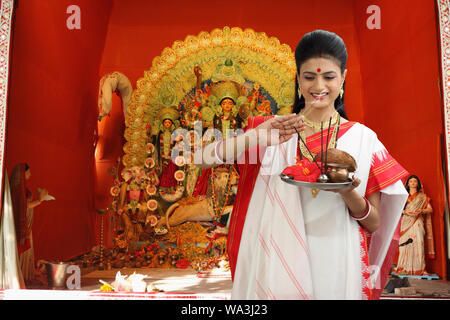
x=226 y=116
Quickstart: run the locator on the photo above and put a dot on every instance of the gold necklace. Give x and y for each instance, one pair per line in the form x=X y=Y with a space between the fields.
x=317 y=126
x=304 y=152
x=331 y=143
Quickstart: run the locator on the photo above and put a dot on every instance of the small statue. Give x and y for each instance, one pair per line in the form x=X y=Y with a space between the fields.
x=416 y=234
x=168 y=118
x=226 y=111
x=23 y=204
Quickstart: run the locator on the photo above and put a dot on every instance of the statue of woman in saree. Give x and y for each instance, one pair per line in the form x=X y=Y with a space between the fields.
x=23 y=207
x=416 y=234
x=226 y=112
x=168 y=122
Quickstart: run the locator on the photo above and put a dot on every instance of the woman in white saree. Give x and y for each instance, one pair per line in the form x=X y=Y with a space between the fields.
x=286 y=242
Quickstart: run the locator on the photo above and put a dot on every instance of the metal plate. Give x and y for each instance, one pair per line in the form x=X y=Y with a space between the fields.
x=317 y=185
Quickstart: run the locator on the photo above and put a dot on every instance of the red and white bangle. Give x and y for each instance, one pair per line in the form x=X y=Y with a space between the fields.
x=216 y=151
x=366 y=214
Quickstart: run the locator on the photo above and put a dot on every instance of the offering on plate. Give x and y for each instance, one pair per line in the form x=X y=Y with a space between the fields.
x=338 y=165
x=329 y=168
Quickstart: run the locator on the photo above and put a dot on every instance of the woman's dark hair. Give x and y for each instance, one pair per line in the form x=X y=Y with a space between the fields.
x=27 y=167
x=320 y=43
x=419 y=185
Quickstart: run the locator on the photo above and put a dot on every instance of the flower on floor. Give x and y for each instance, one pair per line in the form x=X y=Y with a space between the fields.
x=106 y=287
x=137 y=282
x=124 y=283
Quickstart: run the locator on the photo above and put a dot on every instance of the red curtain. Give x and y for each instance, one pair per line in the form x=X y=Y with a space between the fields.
x=52 y=117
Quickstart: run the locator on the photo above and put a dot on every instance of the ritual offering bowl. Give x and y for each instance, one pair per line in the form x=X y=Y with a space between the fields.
x=330 y=170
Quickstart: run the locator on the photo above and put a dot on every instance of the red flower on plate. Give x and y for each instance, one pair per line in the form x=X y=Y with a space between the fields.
x=182 y=263
x=303 y=170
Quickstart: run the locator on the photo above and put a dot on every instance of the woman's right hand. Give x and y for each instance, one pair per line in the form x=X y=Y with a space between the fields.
x=278 y=130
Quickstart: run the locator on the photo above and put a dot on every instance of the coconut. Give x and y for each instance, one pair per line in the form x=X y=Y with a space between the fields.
x=338 y=158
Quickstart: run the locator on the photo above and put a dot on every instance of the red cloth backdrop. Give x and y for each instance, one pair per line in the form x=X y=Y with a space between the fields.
x=392 y=79
x=52 y=117
x=401 y=77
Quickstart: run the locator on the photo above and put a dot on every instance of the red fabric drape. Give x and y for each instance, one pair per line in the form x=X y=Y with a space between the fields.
x=52 y=118
x=248 y=174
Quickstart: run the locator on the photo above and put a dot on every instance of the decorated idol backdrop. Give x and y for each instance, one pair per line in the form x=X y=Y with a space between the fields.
x=198 y=90
x=123 y=51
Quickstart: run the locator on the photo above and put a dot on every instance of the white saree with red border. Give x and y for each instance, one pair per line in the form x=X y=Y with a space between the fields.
x=286 y=244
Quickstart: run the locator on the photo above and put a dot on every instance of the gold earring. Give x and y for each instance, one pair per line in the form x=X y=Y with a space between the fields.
x=299 y=93
x=341 y=93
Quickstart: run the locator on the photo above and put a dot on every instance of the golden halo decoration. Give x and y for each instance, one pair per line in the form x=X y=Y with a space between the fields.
x=179 y=175
x=260 y=58
x=180 y=161
x=151 y=190
x=150 y=148
x=115 y=190
x=133 y=146
x=149 y=163
x=153 y=220
x=152 y=204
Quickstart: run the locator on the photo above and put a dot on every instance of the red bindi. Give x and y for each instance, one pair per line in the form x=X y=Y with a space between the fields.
x=318 y=70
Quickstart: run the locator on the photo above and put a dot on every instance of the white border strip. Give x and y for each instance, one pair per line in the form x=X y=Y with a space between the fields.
x=7 y=7
x=12 y=294
x=444 y=26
